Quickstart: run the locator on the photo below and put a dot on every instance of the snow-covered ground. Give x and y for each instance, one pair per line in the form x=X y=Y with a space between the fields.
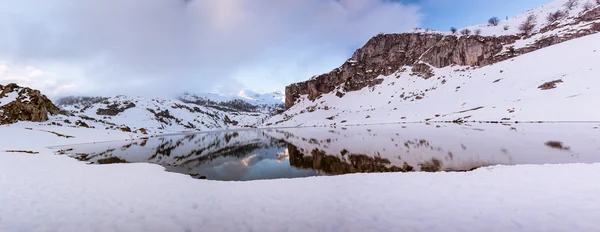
x=44 y=192
x=506 y=91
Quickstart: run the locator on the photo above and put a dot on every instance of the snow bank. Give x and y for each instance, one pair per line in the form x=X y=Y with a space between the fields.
x=50 y=193
x=55 y=193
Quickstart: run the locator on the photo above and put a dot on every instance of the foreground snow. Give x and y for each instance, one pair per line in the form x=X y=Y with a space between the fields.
x=55 y=193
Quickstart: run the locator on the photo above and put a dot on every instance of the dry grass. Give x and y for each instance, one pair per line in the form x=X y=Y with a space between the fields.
x=557 y=145
x=549 y=85
x=22 y=151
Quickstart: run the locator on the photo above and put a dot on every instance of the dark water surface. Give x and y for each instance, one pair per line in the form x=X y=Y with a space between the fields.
x=301 y=152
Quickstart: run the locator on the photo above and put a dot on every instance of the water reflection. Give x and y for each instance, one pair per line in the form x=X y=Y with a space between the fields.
x=302 y=152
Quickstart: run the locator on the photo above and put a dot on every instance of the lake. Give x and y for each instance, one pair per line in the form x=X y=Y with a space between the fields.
x=260 y=154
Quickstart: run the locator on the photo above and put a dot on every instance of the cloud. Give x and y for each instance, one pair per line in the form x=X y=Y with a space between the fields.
x=158 y=47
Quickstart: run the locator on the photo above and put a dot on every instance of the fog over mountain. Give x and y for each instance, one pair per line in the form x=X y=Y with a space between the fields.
x=166 y=47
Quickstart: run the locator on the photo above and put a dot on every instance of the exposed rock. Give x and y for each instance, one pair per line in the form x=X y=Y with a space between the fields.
x=114 y=109
x=423 y=70
x=549 y=85
x=385 y=54
x=27 y=105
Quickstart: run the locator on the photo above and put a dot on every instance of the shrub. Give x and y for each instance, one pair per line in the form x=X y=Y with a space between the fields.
x=506 y=27
x=453 y=29
x=493 y=21
x=571 y=4
x=527 y=26
x=554 y=16
x=588 y=6
x=478 y=32
x=465 y=31
x=598 y=2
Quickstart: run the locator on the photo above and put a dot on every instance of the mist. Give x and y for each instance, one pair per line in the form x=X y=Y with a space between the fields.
x=166 y=47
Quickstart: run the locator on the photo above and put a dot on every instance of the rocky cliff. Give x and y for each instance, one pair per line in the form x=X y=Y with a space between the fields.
x=24 y=104
x=386 y=54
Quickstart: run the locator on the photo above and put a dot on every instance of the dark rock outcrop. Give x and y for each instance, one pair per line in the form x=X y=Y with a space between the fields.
x=385 y=54
x=115 y=108
x=27 y=105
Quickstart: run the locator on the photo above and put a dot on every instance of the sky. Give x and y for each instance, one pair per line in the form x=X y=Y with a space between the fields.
x=166 y=47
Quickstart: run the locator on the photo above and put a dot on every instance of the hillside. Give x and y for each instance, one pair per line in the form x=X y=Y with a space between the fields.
x=136 y=114
x=547 y=74
x=158 y=115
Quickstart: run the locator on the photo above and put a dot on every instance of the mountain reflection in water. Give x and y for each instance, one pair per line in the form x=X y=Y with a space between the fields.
x=302 y=152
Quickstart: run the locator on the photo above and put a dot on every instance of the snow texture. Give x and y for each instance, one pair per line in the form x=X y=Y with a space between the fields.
x=55 y=193
x=161 y=115
x=10 y=97
x=510 y=25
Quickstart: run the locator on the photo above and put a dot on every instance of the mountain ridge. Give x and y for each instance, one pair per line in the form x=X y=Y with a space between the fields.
x=428 y=76
x=385 y=54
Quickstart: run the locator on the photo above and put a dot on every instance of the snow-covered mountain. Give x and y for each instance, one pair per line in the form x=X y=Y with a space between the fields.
x=161 y=115
x=267 y=100
x=189 y=112
x=541 y=65
x=273 y=98
x=140 y=114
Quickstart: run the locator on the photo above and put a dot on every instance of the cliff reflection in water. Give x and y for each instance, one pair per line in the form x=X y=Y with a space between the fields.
x=303 y=152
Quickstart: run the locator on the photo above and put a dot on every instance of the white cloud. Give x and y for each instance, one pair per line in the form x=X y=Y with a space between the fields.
x=169 y=46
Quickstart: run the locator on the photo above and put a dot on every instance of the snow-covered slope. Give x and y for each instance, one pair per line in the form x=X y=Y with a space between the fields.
x=273 y=99
x=510 y=25
x=158 y=115
x=539 y=83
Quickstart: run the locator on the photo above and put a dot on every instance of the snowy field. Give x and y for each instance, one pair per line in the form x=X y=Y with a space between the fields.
x=44 y=192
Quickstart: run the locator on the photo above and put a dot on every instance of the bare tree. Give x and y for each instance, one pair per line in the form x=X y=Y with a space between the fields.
x=571 y=4
x=588 y=6
x=527 y=26
x=465 y=31
x=506 y=27
x=453 y=29
x=493 y=21
x=555 y=16
x=478 y=32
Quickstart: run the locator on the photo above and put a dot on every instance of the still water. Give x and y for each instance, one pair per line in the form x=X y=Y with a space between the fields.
x=301 y=152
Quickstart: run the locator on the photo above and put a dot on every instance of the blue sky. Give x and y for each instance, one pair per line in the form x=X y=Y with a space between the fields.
x=443 y=14
x=166 y=47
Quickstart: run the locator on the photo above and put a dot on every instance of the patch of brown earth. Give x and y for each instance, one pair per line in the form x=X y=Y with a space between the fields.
x=557 y=145
x=549 y=85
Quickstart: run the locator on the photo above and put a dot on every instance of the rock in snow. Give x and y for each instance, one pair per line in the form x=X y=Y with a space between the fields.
x=24 y=104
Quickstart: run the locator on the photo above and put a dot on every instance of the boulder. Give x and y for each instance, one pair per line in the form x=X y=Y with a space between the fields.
x=24 y=104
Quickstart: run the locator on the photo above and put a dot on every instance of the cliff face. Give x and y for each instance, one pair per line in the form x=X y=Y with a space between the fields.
x=385 y=54
x=24 y=104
